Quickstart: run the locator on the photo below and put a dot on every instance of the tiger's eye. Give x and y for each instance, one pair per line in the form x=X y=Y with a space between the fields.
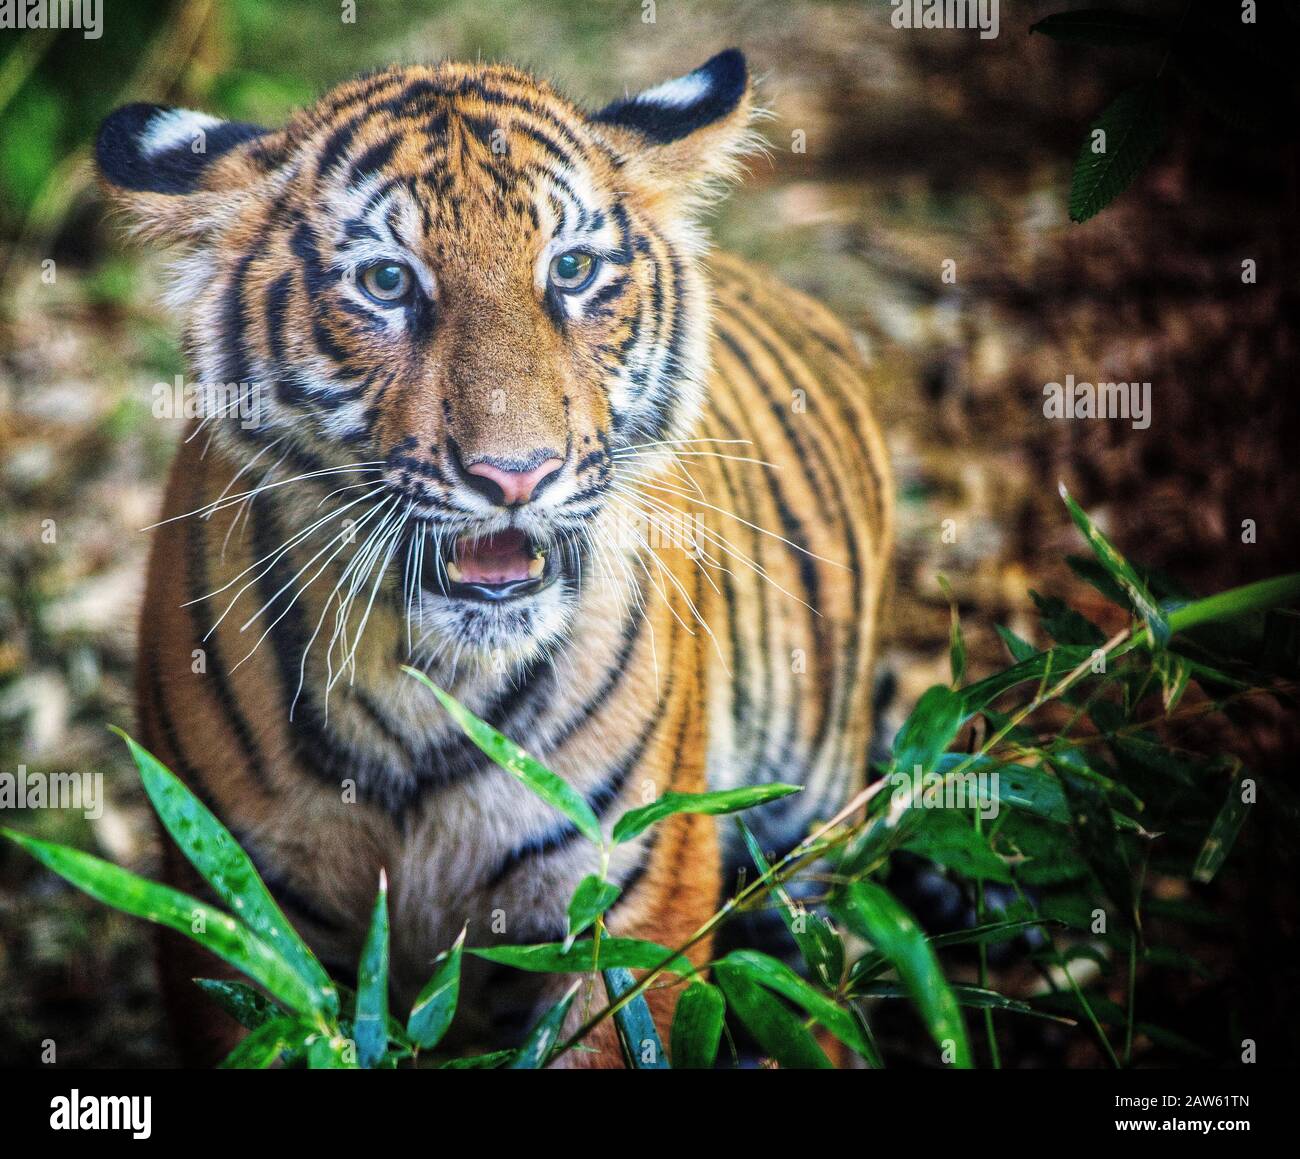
x=387 y=282
x=573 y=270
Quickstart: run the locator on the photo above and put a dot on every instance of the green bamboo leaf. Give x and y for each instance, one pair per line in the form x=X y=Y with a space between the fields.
x=1174 y=673
x=244 y=1003
x=259 y=1050
x=1280 y=591
x=776 y=975
x=1121 y=571
x=592 y=898
x=1026 y=787
x=1134 y=125
x=542 y=1039
x=978 y=696
x=781 y=1035
x=1097 y=837
x=1101 y=26
x=230 y=940
x=552 y=788
x=969 y=996
x=956 y=641
x=435 y=1008
x=874 y=914
x=1088 y=763
x=990 y=932
x=869 y=966
x=211 y=849
x=1089 y=569
x=1223 y=833
x=637 y=821
x=932 y=726
x=948 y=837
x=331 y=1052
x=1064 y=624
x=348 y=1007
x=492 y=1061
x=819 y=942
x=642 y=1048
x=371 y=1025
x=697 y=1027
x=1019 y=649
x=553 y=958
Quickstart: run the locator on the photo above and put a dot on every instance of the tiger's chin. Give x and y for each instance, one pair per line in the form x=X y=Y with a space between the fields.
x=495 y=636
x=490 y=622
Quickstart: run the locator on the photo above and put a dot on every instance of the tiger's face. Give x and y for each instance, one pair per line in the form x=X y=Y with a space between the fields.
x=462 y=288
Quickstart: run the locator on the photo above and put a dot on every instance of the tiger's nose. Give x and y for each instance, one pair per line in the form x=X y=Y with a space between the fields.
x=505 y=484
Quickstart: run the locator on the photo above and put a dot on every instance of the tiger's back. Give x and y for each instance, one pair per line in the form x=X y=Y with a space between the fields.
x=798 y=629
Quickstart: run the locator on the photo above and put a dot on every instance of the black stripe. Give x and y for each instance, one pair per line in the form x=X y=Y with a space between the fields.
x=813 y=456
x=198 y=585
x=285 y=894
x=373 y=159
x=601 y=799
x=603 y=796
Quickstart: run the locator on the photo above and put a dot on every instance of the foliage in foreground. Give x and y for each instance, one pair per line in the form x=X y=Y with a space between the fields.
x=1070 y=818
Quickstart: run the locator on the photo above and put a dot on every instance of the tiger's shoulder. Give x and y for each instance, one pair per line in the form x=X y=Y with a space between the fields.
x=779 y=352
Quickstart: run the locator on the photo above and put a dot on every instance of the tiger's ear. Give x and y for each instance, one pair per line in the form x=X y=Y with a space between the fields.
x=173 y=171
x=681 y=136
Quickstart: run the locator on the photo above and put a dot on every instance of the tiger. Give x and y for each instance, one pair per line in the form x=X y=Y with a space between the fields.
x=482 y=399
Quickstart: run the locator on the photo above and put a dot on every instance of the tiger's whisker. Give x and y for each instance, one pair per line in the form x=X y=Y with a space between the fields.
x=215 y=506
x=669 y=489
x=274 y=555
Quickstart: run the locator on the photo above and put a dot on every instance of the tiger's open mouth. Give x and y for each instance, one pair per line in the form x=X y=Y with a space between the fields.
x=505 y=565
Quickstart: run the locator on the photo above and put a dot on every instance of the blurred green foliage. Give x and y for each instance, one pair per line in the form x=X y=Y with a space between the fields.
x=247 y=59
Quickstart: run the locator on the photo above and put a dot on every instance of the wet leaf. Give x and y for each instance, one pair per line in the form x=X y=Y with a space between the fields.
x=697 y=1027
x=780 y=1035
x=371 y=1023
x=435 y=1007
x=229 y=939
x=552 y=788
x=637 y=821
x=263 y=1046
x=873 y=913
x=244 y=1003
x=642 y=1048
x=1134 y=124
x=214 y=852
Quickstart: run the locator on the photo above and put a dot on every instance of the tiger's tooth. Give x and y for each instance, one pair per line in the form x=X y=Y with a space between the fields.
x=454 y=573
x=535 y=566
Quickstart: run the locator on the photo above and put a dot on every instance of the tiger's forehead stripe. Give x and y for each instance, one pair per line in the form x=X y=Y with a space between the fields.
x=455 y=140
x=416 y=104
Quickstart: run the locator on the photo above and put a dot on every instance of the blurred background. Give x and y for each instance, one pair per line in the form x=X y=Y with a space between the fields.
x=922 y=147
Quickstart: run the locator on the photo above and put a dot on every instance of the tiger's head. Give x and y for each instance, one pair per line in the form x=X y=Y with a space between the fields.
x=459 y=285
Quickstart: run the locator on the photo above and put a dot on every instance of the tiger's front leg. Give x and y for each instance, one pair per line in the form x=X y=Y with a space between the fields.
x=673 y=898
